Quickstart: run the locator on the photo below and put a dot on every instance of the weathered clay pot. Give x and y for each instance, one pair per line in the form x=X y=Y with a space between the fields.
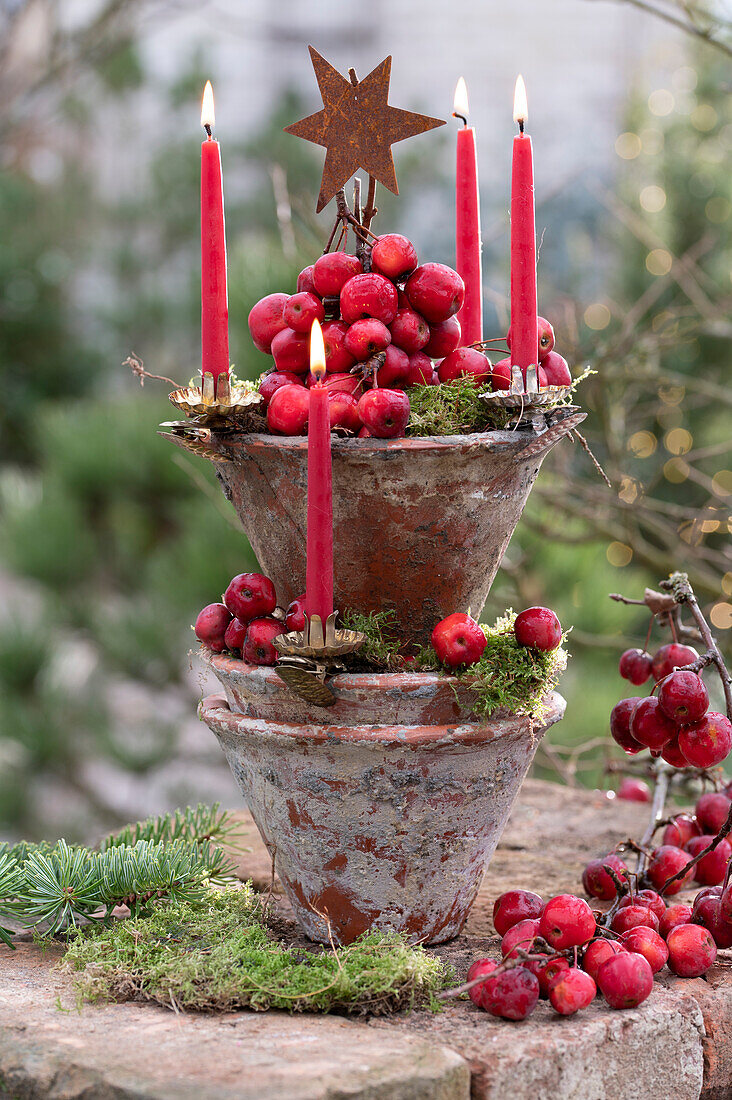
x=383 y=812
x=420 y=525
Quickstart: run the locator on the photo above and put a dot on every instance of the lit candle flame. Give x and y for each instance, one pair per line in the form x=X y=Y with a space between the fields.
x=317 y=352
x=460 y=102
x=520 y=105
x=207 y=106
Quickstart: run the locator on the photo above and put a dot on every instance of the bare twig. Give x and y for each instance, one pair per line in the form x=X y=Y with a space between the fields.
x=683 y=593
x=688 y=25
x=135 y=364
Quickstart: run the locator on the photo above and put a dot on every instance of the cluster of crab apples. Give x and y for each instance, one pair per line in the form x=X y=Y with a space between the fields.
x=459 y=640
x=384 y=330
x=564 y=951
x=248 y=620
x=674 y=721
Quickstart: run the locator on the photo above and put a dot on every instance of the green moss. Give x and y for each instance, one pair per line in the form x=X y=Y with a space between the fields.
x=381 y=650
x=221 y=955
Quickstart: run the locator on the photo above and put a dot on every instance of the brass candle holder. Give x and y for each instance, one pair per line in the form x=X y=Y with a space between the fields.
x=216 y=403
x=309 y=656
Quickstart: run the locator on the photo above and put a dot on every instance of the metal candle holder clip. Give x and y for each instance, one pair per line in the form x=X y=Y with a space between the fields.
x=526 y=396
x=308 y=656
x=214 y=404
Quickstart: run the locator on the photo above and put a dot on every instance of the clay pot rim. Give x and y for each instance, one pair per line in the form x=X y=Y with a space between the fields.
x=215 y=711
x=364 y=681
x=497 y=440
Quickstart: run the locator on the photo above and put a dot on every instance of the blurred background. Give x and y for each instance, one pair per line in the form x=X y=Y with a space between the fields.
x=111 y=539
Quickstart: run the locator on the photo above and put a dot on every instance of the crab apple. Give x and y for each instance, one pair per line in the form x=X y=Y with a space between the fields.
x=691 y=950
x=646 y=942
x=409 y=331
x=546 y=338
x=394 y=256
x=634 y=916
x=235 y=633
x=672 y=656
x=384 y=412
x=571 y=990
x=625 y=980
x=337 y=356
x=547 y=971
x=340 y=383
x=665 y=861
x=369 y=295
x=257 y=648
x=620 y=725
x=649 y=898
x=301 y=310
x=366 y=337
x=395 y=369
x=274 y=381
x=265 y=320
x=305 y=280
x=707 y=742
x=673 y=917
x=597 y=882
x=512 y=994
x=477 y=970
x=711 y=811
x=465 y=363
x=538 y=628
x=683 y=697
x=672 y=754
x=211 y=624
x=725 y=903
x=420 y=370
x=519 y=935
x=513 y=906
x=633 y=790
x=566 y=921
x=650 y=726
x=598 y=952
x=710 y=869
x=365 y=434
x=501 y=375
x=343 y=411
x=681 y=830
x=288 y=410
x=250 y=596
x=458 y=640
x=333 y=270
x=295 y=614
x=435 y=291
x=556 y=369
x=444 y=338
x=635 y=665
x=708 y=912
x=291 y=351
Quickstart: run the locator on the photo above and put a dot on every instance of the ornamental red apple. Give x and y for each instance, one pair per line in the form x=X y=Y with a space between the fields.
x=340 y=383
x=211 y=624
x=301 y=310
x=458 y=640
x=650 y=726
x=546 y=338
x=672 y=754
x=235 y=634
x=409 y=331
x=288 y=410
x=635 y=665
x=366 y=337
x=707 y=742
x=257 y=648
x=394 y=256
x=305 y=281
x=395 y=371
x=711 y=811
x=538 y=628
x=343 y=411
x=274 y=381
x=683 y=697
x=291 y=351
x=333 y=270
x=625 y=980
x=384 y=412
x=421 y=370
x=369 y=295
x=295 y=614
x=250 y=596
x=465 y=363
x=337 y=356
x=672 y=656
x=556 y=370
x=620 y=717
x=435 y=291
x=501 y=375
x=634 y=790
x=265 y=320
x=444 y=338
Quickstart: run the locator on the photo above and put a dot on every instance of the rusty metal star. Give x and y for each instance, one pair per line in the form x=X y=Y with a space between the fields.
x=357 y=126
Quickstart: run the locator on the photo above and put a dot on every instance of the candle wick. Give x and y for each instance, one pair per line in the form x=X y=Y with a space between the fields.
x=521 y=125
x=207 y=128
x=456 y=115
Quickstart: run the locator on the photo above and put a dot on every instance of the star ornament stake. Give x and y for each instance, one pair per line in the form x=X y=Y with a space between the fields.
x=357 y=127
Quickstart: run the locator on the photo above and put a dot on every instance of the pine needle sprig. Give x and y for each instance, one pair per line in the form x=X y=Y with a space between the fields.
x=195 y=825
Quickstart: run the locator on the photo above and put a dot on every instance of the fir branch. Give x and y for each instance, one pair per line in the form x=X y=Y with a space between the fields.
x=193 y=825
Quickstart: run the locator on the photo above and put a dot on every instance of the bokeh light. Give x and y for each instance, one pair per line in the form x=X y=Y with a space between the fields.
x=661 y=102
x=628 y=145
x=597 y=316
x=619 y=554
x=642 y=444
x=721 y=616
x=679 y=441
x=659 y=261
x=653 y=198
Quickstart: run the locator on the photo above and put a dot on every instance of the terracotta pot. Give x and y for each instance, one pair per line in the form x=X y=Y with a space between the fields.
x=420 y=525
x=383 y=812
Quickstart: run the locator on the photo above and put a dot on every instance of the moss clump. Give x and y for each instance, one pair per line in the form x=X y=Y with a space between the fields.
x=453 y=408
x=381 y=650
x=220 y=956
x=508 y=676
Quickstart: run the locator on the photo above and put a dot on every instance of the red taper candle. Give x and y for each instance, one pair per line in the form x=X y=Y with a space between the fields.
x=319 y=575
x=467 y=223
x=524 y=309
x=214 y=297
